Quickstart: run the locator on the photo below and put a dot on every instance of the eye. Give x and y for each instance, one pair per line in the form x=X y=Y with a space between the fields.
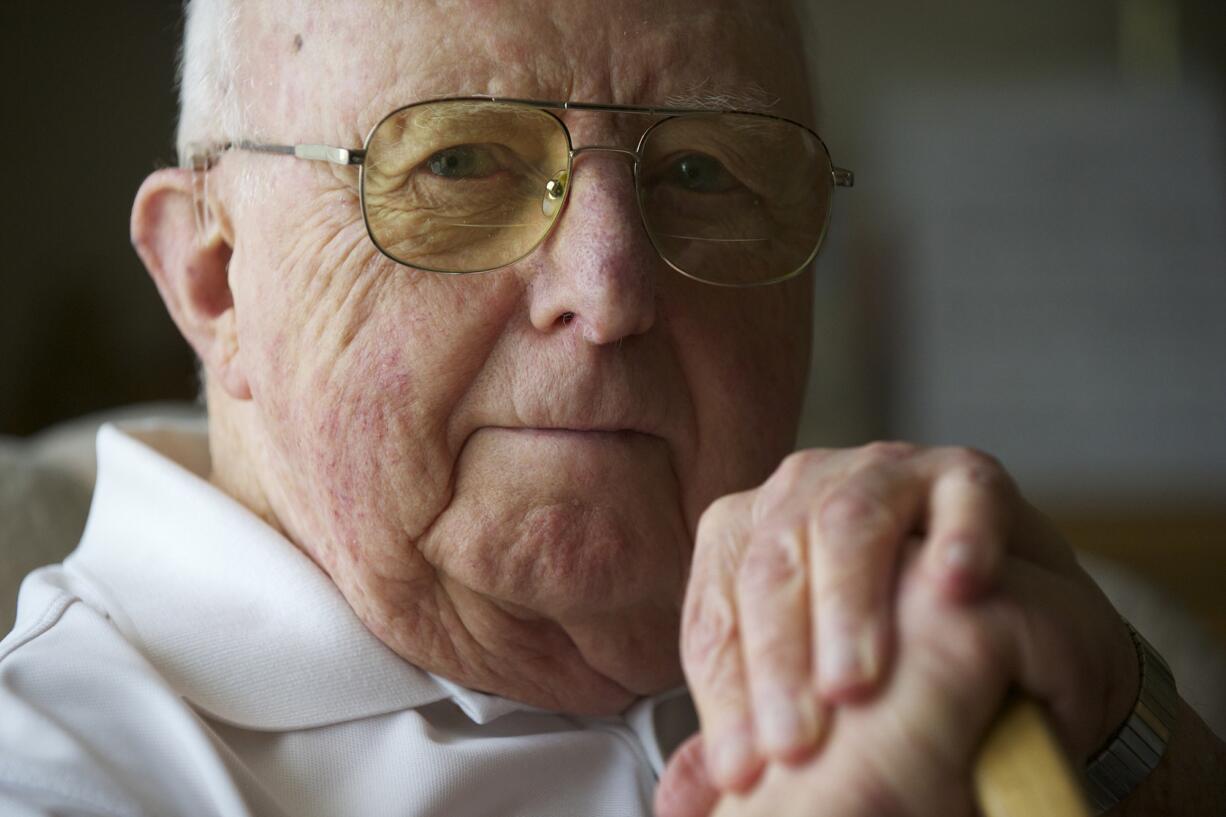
x=700 y=173
x=464 y=162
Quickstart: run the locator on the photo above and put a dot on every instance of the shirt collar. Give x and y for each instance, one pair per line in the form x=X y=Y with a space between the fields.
x=240 y=622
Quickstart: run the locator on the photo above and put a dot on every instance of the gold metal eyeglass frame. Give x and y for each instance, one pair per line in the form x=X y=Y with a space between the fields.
x=202 y=157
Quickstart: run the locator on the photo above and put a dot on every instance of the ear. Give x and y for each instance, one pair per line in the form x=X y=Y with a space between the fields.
x=190 y=266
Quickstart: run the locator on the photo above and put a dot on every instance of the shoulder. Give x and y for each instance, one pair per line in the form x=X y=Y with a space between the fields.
x=87 y=725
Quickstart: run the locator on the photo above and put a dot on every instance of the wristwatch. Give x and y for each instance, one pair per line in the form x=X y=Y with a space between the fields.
x=1137 y=746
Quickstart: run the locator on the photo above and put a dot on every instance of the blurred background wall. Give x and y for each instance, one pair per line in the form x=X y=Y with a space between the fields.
x=1033 y=260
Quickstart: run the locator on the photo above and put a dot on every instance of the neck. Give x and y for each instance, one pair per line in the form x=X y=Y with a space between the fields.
x=233 y=448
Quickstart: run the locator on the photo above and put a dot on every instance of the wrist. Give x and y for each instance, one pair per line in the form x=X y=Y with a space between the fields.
x=1188 y=781
x=1139 y=743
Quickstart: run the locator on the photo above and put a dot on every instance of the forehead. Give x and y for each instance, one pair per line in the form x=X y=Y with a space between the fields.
x=342 y=66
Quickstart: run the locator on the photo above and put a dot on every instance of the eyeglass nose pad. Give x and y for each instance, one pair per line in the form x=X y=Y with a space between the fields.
x=555 y=190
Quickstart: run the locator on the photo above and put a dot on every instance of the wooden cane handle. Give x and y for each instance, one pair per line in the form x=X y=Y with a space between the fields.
x=1021 y=769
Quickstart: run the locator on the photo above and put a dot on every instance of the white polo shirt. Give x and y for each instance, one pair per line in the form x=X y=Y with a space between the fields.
x=187 y=659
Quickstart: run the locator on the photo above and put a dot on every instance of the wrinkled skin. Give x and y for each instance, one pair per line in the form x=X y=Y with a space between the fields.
x=887 y=612
x=504 y=495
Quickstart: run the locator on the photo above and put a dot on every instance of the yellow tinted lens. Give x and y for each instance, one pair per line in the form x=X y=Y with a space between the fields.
x=463 y=185
x=735 y=199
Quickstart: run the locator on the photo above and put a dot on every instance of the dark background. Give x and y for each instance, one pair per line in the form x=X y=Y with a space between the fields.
x=89 y=112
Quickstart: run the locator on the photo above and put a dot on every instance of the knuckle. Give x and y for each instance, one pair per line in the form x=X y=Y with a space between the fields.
x=793 y=464
x=802 y=460
x=851 y=509
x=717 y=514
x=982 y=470
x=709 y=632
x=793 y=468
x=720 y=517
x=782 y=486
x=883 y=451
x=772 y=560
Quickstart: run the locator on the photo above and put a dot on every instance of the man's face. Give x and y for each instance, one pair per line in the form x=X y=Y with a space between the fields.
x=502 y=472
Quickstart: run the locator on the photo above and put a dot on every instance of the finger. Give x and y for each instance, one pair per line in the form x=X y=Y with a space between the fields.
x=710 y=650
x=1040 y=630
x=776 y=638
x=969 y=519
x=854 y=542
x=685 y=788
x=1073 y=652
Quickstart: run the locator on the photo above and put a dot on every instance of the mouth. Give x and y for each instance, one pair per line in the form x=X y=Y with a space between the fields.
x=576 y=433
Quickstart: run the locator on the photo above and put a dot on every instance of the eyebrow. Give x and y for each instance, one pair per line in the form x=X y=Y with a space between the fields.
x=741 y=97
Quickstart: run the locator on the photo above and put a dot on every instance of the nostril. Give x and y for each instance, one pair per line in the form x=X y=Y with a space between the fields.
x=567 y=317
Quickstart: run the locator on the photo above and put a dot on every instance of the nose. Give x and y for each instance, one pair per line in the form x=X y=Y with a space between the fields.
x=598 y=274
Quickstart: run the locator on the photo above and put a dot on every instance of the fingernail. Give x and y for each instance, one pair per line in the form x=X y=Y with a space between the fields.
x=849 y=662
x=870 y=659
x=959 y=568
x=788 y=723
x=732 y=756
x=839 y=664
x=958 y=557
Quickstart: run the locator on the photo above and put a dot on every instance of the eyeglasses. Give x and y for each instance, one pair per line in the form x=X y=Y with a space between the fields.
x=472 y=184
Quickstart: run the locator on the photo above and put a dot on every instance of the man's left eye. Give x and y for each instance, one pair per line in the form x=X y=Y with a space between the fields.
x=701 y=173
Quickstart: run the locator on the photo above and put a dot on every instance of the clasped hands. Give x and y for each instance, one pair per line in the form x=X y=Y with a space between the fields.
x=852 y=626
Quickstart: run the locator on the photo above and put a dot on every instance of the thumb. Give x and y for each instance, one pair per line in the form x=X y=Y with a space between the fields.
x=685 y=790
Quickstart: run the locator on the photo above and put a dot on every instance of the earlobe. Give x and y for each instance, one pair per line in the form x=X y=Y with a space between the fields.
x=191 y=270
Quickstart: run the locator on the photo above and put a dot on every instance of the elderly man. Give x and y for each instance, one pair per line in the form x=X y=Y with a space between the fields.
x=455 y=535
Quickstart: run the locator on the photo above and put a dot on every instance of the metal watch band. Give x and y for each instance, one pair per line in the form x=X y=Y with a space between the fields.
x=1137 y=747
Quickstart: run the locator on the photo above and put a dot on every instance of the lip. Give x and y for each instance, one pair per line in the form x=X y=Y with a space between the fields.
x=565 y=432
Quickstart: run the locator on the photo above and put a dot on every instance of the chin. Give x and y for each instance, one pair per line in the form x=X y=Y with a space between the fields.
x=562 y=522
x=565 y=559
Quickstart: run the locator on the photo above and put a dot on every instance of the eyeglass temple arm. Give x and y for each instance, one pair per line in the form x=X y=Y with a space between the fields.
x=314 y=153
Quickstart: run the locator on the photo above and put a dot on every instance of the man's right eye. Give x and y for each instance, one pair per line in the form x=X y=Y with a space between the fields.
x=464 y=162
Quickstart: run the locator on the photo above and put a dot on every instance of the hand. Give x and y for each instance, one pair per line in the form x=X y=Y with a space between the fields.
x=791 y=605
x=909 y=750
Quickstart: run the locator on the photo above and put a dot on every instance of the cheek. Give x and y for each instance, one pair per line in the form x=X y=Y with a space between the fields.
x=362 y=423
x=356 y=366
x=352 y=439
x=767 y=365
x=745 y=354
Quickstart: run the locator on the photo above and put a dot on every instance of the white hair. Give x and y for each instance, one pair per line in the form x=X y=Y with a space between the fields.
x=212 y=102
x=211 y=108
